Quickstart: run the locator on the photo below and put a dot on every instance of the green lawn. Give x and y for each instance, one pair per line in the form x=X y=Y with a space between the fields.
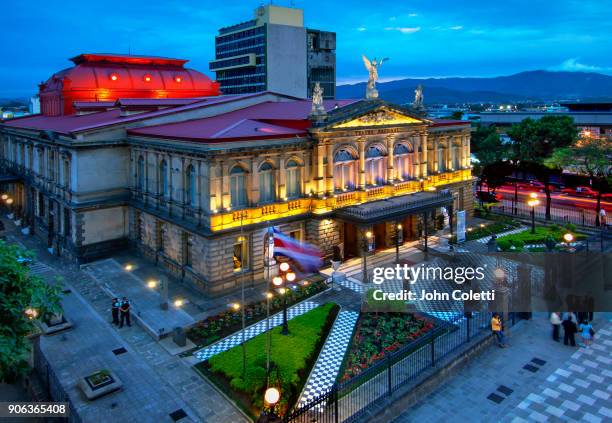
x=295 y=354
x=519 y=240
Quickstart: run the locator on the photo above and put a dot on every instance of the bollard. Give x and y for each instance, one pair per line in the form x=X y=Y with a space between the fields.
x=179 y=337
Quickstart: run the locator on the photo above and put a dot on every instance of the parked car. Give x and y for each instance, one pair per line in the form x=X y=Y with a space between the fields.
x=580 y=192
x=488 y=197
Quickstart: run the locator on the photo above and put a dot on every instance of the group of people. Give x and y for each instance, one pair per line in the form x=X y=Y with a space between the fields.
x=121 y=311
x=573 y=323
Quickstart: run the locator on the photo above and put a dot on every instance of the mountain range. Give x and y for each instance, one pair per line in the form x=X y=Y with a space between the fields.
x=536 y=86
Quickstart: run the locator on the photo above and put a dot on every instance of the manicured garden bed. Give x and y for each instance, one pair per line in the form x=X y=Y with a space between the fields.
x=517 y=242
x=213 y=328
x=380 y=334
x=294 y=354
x=497 y=225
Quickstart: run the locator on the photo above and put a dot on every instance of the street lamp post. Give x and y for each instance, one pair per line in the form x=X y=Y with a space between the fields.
x=366 y=246
x=533 y=202
x=398 y=240
x=280 y=281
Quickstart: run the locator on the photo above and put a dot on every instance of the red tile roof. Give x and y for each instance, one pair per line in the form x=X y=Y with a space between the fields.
x=261 y=121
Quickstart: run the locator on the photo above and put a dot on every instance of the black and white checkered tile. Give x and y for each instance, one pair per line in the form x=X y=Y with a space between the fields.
x=328 y=364
x=580 y=391
x=252 y=331
x=352 y=284
x=513 y=231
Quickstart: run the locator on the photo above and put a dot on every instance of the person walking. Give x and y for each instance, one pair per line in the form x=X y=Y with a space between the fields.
x=125 y=312
x=555 y=321
x=586 y=333
x=498 y=330
x=569 y=331
x=115 y=310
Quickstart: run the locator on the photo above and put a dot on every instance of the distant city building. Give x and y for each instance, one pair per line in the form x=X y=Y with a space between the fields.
x=34 y=105
x=275 y=52
x=591 y=119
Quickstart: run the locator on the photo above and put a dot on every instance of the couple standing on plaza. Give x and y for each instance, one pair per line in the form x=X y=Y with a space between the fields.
x=121 y=311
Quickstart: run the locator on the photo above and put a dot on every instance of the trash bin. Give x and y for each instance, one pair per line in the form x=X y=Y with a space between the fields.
x=179 y=337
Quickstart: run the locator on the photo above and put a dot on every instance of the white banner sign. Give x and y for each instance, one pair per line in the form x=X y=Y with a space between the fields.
x=461 y=226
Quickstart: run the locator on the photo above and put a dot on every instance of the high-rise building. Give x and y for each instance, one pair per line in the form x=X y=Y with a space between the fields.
x=275 y=52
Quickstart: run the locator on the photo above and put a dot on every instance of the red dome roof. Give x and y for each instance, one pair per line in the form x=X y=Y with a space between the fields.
x=106 y=77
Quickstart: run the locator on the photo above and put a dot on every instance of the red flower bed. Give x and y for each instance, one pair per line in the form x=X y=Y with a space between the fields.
x=380 y=334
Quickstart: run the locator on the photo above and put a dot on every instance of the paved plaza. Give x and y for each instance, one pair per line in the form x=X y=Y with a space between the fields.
x=534 y=380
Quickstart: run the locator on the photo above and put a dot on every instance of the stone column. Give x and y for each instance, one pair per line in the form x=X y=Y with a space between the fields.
x=225 y=185
x=362 y=174
x=282 y=183
x=416 y=163
x=390 y=160
x=329 y=174
x=320 y=176
x=424 y=158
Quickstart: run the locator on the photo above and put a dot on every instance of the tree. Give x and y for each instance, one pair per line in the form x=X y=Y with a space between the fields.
x=20 y=292
x=591 y=156
x=487 y=145
x=535 y=141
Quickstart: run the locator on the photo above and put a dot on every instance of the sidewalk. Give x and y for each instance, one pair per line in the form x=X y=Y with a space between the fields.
x=156 y=383
x=495 y=385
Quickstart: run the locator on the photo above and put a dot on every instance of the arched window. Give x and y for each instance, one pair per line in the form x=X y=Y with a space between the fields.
x=403 y=161
x=344 y=170
x=374 y=166
x=456 y=157
x=238 y=193
x=267 y=191
x=163 y=179
x=140 y=174
x=190 y=186
x=294 y=179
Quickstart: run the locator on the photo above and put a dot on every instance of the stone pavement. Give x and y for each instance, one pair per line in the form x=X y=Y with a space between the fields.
x=156 y=383
x=116 y=281
x=493 y=385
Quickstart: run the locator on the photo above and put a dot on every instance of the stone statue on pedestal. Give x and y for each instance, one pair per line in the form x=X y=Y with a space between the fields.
x=418 y=97
x=317 y=100
x=372 y=67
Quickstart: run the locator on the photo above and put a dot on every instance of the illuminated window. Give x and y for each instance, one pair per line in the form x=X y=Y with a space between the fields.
x=267 y=191
x=374 y=164
x=403 y=161
x=238 y=193
x=344 y=170
x=240 y=256
x=294 y=179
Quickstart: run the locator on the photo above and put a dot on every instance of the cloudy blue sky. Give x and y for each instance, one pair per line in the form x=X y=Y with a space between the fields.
x=422 y=38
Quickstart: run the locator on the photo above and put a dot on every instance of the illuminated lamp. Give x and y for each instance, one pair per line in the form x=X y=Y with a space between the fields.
x=284 y=267
x=568 y=237
x=147 y=78
x=272 y=396
x=113 y=77
x=290 y=276
x=277 y=281
x=178 y=79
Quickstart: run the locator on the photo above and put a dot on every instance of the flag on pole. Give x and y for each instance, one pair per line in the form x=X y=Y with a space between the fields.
x=307 y=256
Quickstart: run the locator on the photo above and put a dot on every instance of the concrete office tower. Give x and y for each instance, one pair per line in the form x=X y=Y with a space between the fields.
x=275 y=52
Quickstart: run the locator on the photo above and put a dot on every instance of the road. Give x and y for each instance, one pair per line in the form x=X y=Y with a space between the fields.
x=558 y=199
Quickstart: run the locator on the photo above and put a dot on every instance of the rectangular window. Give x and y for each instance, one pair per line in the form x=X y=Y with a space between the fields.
x=240 y=256
x=187 y=251
x=297 y=235
x=41 y=205
x=67 y=223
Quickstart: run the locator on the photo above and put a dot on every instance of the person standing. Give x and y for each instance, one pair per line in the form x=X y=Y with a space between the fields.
x=555 y=321
x=498 y=330
x=569 y=331
x=586 y=333
x=125 y=312
x=115 y=310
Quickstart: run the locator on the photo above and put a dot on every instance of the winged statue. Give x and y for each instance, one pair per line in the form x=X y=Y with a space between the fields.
x=372 y=67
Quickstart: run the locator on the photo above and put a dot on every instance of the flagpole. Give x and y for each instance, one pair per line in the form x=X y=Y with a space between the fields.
x=242 y=300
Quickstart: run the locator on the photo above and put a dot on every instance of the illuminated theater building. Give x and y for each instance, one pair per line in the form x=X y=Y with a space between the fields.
x=147 y=154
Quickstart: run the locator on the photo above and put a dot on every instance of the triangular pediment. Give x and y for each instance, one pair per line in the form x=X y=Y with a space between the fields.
x=380 y=116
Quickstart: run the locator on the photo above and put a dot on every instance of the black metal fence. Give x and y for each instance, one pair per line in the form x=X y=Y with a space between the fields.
x=558 y=214
x=350 y=400
x=51 y=382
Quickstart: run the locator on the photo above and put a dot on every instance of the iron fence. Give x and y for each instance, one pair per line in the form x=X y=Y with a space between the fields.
x=559 y=214
x=52 y=383
x=348 y=401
